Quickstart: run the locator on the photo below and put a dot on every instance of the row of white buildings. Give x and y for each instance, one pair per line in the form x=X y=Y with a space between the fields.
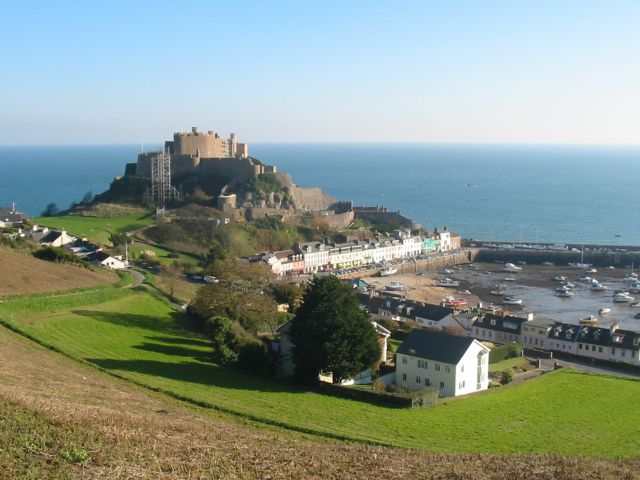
x=314 y=257
x=610 y=343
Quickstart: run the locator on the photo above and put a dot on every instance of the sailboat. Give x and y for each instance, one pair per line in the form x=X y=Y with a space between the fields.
x=580 y=264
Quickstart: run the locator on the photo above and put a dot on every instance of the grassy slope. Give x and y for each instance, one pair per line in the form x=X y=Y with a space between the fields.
x=137 y=336
x=26 y=274
x=96 y=229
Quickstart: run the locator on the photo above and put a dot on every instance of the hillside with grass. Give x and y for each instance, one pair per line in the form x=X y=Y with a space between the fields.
x=22 y=273
x=138 y=337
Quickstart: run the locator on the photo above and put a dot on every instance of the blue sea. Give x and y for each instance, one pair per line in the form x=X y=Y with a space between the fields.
x=513 y=193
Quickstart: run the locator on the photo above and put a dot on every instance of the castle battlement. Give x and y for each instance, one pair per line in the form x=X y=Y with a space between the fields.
x=207 y=153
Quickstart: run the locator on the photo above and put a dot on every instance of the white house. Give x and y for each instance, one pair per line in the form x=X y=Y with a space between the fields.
x=56 y=239
x=455 y=365
x=105 y=260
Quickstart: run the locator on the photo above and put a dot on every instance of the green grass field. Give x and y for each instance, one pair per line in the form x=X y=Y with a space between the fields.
x=139 y=337
x=507 y=364
x=96 y=229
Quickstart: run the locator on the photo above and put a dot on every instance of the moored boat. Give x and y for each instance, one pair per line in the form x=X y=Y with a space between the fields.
x=622 y=297
x=589 y=319
x=604 y=310
x=394 y=286
x=447 y=282
x=510 y=267
x=387 y=271
x=509 y=300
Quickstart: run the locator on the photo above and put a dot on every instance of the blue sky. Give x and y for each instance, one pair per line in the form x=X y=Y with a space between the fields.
x=333 y=71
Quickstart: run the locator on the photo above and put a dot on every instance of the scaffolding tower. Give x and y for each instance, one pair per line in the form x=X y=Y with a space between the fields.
x=161 y=188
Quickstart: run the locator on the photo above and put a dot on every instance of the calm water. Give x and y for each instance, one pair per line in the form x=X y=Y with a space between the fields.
x=554 y=194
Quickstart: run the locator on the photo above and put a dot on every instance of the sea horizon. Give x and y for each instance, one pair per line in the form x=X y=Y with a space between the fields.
x=494 y=192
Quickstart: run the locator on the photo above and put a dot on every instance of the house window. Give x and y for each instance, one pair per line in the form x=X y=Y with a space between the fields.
x=447 y=369
x=427 y=382
x=613 y=351
x=462 y=368
x=441 y=385
x=580 y=346
x=541 y=343
x=600 y=349
x=622 y=352
x=404 y=360
x=437 y=367
x=404 y=376
x=418 y=380
x=536 y=341
x=593 y=348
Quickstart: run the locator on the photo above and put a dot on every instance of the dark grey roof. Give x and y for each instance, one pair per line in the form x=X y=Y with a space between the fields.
x=564 y=331
x=506 y=323
x=436 y=346
x=50 y=237
x=412 y=310
x=604 y=336
x=97 y=256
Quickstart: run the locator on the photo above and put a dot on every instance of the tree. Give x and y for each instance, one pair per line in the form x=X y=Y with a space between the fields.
x=289 y=293
x=50 y=210
x=87 y=198
x=330 y=333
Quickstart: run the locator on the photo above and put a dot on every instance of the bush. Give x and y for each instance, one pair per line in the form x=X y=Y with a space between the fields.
x=72 y=454
x=379 y=386
x=55 y=254
x=507 y=377
x=503 y=352
x=254 y=358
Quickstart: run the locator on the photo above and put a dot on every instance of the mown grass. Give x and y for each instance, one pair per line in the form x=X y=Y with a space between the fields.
x=96 y=229
x=507 y=364
x=140 y=338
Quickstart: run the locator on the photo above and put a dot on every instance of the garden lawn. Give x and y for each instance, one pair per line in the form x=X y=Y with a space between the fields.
x=137 y=336
x=95 y=229
x=507 y=364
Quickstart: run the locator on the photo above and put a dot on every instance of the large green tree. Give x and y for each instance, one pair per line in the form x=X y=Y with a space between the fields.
x=331 y=333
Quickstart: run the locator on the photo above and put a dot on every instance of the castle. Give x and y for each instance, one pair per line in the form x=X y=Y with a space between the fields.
x=207 y=153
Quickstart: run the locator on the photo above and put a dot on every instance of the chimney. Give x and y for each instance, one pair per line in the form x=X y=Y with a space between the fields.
x=530 y=316
x=613 y=328
x=13 y=207
x=194 y=129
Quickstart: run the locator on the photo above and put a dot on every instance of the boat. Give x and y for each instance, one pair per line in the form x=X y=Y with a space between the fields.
x=592 y=270
x=634 y=288
x=559 y=278
x=494 y=307
x=635 y=305
x=447 y=282
x=510 y=267
x=464 y=292
x=584 y=278
x=394 y=286
x=566 y=294
x=604 y=310
x=630 y=278
x=497 y=293
x=622 y=297
x=611 y=267
x=589 y=319
x=446 y=271
x=580 y=265
x=387 y=271
x=511 y=301
x=567 y=285
x=522 y=262
x=598 y=287
x=637 y=316
x=548 y=264
x=509 y=279
x=451 y=301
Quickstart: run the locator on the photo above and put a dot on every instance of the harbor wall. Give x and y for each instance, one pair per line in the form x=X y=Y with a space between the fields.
x=618 y=259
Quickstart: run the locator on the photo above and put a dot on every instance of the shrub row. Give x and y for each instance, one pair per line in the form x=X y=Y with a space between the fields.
x=427 y=397
x=503 y=352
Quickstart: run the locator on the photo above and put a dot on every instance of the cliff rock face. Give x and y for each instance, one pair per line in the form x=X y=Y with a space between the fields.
x=305 y=198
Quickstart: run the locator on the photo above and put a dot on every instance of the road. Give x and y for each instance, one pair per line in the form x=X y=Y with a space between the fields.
x=548 y=364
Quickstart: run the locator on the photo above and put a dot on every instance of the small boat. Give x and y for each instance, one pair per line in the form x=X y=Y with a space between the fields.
x=637 y=316
x=604 y=310
x=592 y=270
x=630 y=278
x=589 y=319
x=510 y=267
x=598 y=287
x=634 y=288
x=548 y=264
x=511 y=301
x=635 y=305
x=579 y=265
x=521 y=262
x=611 y=267
x=450 y=301
x=497 y=293
x=584 y=278
x=559 y=278
x=472 y=266
x=494 y=307
x=622 y=297
x=568 y=285
x=387 y=271
x=563 y=288
x=446 y=271
x=447 y=282
x=464 y=292
x=394 y=286
x=566 y=294
x=509 y=279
